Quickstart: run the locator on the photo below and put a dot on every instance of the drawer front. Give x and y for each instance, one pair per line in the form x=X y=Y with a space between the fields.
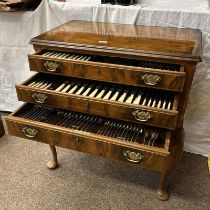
x=86 y=144
x=168 y=80
x=139 y=114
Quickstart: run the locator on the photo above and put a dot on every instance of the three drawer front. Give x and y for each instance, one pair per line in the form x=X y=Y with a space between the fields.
x=135 y=105
x=130 y=152
x=125 y=71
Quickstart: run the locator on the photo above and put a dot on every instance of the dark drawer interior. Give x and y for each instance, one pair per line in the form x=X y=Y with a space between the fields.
x=123 y=131
x=109 y=60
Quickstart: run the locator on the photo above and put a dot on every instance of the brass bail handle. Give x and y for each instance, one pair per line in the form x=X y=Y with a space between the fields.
x=142 y=115
x=51 y=66
x=133 y=156
x=150 y=79
x=39 y=97
x=29 y=132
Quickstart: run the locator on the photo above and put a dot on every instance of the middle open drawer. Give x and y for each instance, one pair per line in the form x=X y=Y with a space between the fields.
x=136 y=104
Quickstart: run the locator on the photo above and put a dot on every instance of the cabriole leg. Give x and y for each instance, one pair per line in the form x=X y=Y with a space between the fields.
x=162 y=193
x=175 y=155
x=53 y=163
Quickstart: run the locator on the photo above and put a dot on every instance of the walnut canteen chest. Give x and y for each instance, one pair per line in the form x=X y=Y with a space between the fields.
x=111 y=90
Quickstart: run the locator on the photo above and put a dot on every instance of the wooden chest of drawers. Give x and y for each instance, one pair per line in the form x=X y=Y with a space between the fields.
x=117 y=91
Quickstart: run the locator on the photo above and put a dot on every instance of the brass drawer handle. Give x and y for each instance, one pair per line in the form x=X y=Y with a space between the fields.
x=142 y=115
x=29 y=132
x=51 y=66
x=39 y=97
x=150 y=79
x=133 y=156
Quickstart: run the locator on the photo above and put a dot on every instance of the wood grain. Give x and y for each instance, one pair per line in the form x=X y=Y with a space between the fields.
x=117 y=110
x=92 y=144
x=170 y=80
x=144 y=40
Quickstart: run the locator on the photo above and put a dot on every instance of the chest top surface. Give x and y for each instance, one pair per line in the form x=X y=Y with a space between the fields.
x=138 y=39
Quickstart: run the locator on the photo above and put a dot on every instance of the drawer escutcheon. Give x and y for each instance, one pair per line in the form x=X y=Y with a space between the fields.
x=133 y=156
x=76 y=139
x=39 y=97
x=51 y=66
x=98 y=70
x=142 y=115
x=150 y=79
x=29 y=132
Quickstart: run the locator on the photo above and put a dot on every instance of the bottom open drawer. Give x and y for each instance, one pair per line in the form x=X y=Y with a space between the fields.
x=128 y=142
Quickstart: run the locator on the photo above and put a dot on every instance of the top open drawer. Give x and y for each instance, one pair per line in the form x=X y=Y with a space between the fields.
x=112 y=69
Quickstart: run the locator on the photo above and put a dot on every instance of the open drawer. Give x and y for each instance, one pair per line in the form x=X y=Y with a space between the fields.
x=128 y=142
x=112 y=69
x=135 y=104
